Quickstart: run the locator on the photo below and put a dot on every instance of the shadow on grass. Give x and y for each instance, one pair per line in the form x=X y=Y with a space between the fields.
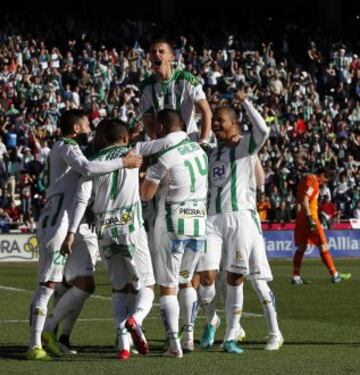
x=108 y=352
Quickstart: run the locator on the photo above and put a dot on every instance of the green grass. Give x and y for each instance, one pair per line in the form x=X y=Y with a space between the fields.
x=320 y=323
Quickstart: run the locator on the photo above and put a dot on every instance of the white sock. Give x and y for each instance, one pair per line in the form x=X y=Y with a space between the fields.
x=69 y=320
x=267 y=299
x=234 y=305
x=207 y=298
x=188 y=301
x=170 y=310
x=143 y=304
x=71 y=301
x=119 y=304
x=130 y=306
x=38 y=311
x=221 y=287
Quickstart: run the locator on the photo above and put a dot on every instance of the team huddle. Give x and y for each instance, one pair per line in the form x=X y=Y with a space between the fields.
x=172 y=211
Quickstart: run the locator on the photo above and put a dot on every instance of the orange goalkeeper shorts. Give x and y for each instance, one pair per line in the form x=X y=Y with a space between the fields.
x=304 y=236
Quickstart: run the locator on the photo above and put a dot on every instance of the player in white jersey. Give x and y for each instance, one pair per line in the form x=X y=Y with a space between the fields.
x=180 y=224
x=65 y=162
x=80 y=266
x=232 y=224
x=175 y=89
x=122 y=239
x=259 y=285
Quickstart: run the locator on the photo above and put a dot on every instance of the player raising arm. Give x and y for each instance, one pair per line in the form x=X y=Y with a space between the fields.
x=174 y=89
x=64 y=165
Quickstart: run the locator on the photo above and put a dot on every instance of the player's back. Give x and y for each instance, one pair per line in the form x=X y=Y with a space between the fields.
x=183 y=203
x=116 y=194
x=308 y=186
x=59 y=178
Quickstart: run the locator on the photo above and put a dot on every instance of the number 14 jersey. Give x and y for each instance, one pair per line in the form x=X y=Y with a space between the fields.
x=184 y=167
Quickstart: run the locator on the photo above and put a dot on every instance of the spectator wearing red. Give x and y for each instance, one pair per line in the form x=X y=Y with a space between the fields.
x=14 y=213
x=327 y=212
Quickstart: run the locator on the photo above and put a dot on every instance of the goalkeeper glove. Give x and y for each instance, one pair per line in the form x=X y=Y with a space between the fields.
x=312 y=223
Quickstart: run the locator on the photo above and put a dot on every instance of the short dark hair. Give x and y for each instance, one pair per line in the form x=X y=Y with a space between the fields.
x=170 y=120
x=162 y=41
x=115 y=130
x=69 y=119
x=101 y=126
x=229 y=111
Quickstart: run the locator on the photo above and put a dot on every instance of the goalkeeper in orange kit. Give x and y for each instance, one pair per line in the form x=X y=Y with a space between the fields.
x=308 y=230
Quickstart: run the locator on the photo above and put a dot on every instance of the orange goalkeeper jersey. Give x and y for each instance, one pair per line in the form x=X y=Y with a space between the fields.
x=308 y=186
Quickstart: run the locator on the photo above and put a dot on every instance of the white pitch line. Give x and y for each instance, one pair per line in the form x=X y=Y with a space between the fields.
x=11 y=289
x=105 y=298
x=101 y=297
x=7 y=321
x=96 y=296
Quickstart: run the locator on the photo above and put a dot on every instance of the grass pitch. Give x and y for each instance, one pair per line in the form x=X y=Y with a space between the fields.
x=320 y=323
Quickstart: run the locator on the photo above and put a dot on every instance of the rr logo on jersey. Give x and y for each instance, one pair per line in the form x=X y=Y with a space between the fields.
x=219 y=173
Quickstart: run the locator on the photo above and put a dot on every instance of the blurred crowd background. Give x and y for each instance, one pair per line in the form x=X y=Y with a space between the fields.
x=305 y=83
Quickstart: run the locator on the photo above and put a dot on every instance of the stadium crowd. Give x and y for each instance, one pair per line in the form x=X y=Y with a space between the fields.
x=312 y=104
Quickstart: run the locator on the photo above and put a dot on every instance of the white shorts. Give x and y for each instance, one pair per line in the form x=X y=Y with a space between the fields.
x=176 y=256
x=51 y=232
x=238 y=237
x=127 y=259
x=82 y=261
x=210 y=259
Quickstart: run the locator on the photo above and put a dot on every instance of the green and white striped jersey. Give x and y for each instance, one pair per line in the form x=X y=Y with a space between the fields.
x=232 y=182
x=180 y=92
x=64 y=165
x=116 y=198
x=184 y=166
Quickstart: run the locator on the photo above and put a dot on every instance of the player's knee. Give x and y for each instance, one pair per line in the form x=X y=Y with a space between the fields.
x=207 y=278
x=49 y=284
x=207 y=293
x=234 y=279
x=301 y=248
x=91 y=288
x=186 y=285
x=262 y=290
x=195 y=281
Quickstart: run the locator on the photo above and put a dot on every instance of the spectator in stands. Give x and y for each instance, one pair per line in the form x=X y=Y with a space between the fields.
x=328 y=212
x=263 y=206
x=5 y=198
x=3 y=149
x=13 y=167
x=25 y=185
x=275 y=201
x=4 y=221
x=282 y=213
x=14 y=214
x=312 y=104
